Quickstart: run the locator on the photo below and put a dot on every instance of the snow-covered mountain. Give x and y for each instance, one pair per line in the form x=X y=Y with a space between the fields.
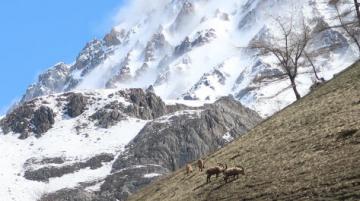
x=190 y=49
x=149 y=97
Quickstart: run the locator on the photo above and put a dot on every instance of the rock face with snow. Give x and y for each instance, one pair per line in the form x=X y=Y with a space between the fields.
x=169 y=141
x=107 y=144
x=52 y=81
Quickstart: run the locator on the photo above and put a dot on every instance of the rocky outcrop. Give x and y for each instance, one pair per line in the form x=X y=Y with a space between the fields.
x=206 y=81
x=52 y=81
x=44 y=161
x=45 y=173
x=188 y=136
x=120 y=185
x=248 y=20
x=268 y=74
x=123 y=74
x=185 y=15
x=90 y=56
x=76 y=104
x=112 y=38
x=145 y=105
x=142 y=70
x=326 y=41
x=28 y=119
x=184 y=47
x=18 y=120
x=109 y=115
x=42 y=120
x=201 y=38
x=70 y=195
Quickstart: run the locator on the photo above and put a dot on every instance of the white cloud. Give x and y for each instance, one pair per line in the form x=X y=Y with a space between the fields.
x=136 y=8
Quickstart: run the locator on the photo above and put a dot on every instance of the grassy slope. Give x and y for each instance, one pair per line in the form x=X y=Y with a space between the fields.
x=308 y=151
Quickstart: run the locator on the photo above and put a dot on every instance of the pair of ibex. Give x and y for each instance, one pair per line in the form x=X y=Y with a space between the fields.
x=216 y=170
x=227 y=172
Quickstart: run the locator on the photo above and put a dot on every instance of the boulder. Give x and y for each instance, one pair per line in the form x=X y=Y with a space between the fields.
x=76 y=104
x=145 y=105
x=42 y=120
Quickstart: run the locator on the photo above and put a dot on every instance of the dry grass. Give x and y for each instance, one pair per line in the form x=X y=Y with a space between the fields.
x=309 y=151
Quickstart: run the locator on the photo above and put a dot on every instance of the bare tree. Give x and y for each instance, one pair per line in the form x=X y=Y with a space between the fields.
x=310 y=60
x=288 y=48
x=348 y=18
x=357 y=9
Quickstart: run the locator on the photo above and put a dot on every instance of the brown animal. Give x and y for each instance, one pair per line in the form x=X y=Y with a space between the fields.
x=201 y=165
x=214 y=171
x=233 y=172
x=189 y=169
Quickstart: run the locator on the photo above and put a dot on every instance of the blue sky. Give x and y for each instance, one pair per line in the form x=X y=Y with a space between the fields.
x=35 y=34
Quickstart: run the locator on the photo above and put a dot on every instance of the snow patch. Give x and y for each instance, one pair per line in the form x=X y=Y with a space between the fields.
x=191 y=114
x=151 y=175
x=227 y=137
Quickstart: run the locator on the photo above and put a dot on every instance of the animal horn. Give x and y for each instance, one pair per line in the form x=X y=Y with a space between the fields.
x=239 y=166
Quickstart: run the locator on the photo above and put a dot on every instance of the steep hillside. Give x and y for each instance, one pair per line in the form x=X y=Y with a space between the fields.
x=309 y=151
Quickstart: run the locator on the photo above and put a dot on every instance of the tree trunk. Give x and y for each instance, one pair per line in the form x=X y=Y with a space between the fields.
x=357 y=8
x=313 y=66
x=293 y=85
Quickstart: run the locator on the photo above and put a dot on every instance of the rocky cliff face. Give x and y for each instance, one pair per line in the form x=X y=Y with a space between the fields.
x=173 y=140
